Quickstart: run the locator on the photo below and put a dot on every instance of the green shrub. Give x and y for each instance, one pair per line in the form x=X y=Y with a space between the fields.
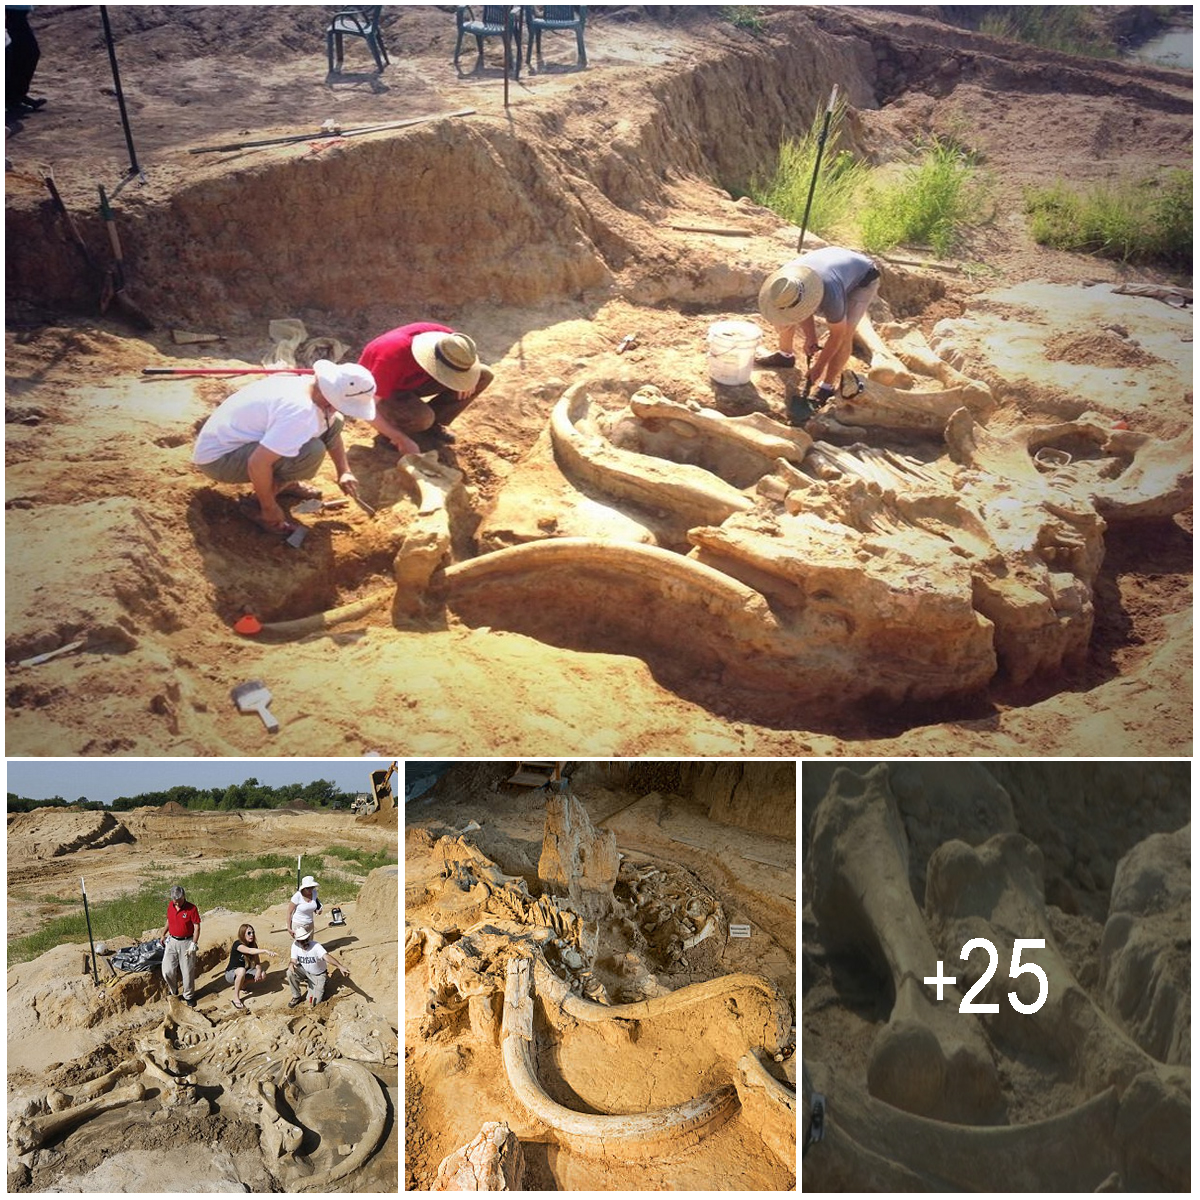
x=1135 y=221
x=930 y=205
x=841 y=177
x=244 y=885
x=743 y=16
x=1068 y=28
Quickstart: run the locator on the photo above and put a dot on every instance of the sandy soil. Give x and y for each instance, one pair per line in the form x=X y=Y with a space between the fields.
x=63 y=1031
x=906 y=862
x=455 y=1079
x=112 y=539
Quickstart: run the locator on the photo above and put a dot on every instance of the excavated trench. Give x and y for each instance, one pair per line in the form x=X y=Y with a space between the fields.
x=675 y=574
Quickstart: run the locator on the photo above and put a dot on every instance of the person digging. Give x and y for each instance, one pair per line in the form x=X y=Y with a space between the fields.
x=274 y=433
x=839 y=285
x=425 y=376
x=308 y=966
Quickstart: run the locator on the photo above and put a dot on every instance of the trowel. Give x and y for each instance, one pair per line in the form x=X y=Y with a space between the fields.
x=254 y=696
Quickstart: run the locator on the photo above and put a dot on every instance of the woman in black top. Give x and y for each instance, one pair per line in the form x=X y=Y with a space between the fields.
x=245 y=956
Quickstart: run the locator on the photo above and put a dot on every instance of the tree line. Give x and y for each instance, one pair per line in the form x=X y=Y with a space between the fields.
x=320 y=793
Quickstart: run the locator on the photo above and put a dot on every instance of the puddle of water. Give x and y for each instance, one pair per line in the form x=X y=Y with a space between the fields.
x=1171 y=48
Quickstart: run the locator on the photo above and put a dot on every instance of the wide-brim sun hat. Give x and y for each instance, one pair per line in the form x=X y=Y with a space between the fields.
x=309 y=881
x=349 y=387
x=790 y=295
x=300 y=932
x=451 y=358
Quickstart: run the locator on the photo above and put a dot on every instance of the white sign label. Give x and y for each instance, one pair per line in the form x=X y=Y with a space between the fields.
x=739 y=931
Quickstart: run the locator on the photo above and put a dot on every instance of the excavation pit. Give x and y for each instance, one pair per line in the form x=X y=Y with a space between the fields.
x=571 y=247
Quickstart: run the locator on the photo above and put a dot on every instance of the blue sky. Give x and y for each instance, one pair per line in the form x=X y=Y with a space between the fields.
x=106 y=779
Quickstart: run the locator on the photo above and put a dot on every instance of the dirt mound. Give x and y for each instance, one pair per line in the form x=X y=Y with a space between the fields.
x=51 y=833
x=173 y=809
x=1107 y=348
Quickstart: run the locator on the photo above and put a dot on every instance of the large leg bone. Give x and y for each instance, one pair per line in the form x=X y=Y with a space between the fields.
x=885 y=366
x=928 y=1059
x=426 y=543
x=914 y=352
x=34 y=1132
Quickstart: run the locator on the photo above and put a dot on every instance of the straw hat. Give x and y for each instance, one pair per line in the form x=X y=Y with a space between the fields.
x=450 y=358
x=790 y=295
x=301 y=932
x=348 y=387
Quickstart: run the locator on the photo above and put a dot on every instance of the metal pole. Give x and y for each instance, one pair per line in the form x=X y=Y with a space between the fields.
x=88 y=917
x=227 y=370
x=298 y=857
x=812 y=187
x=507 y=53
x=134 y=169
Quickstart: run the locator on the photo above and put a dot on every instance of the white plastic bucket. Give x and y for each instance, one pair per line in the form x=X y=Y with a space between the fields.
x=731 y=347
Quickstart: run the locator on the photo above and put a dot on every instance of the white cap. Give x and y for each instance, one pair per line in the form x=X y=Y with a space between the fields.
x=349 y=387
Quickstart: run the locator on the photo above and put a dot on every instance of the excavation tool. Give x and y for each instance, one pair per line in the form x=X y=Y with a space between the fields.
x=87 y=916
x=309 y=507
x=134 y=169
x=227 y=370
x=254 y=696
x=298 y=858
x=812 y=187
x=328 y=133
x=364 y=506
x=295 y=539
x=114 y=278
x=108 y=292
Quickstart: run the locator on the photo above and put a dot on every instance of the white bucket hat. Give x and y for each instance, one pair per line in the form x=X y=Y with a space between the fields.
x=309 y=881
x=451 y=358
x=790 y=294
x=350 y=388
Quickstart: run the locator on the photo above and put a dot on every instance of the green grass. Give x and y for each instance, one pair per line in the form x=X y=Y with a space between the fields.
x=841 y=177
x=229 y=886
x=1068 y=28
x=932 y=204
x=1134 y=221
x=743 y=16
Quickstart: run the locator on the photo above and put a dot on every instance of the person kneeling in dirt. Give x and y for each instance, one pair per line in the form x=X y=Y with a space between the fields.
x=840 y=285
x=275 y=432
x=308 y=965
x=246 y=947
x=180 y=938
x=420 y=362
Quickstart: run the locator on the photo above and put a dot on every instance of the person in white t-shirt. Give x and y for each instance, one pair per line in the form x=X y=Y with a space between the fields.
x=304 y=904
x=274 y=432
x=309 y=965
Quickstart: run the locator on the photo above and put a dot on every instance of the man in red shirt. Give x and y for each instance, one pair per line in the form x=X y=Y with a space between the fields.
x=425 y=375
x=179 y=938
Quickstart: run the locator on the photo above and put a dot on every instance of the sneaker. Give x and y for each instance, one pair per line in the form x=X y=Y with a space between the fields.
x=295 y=1000
x=29 y=104
x=778 y=360
x=191 y=1003
x=438 y=435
